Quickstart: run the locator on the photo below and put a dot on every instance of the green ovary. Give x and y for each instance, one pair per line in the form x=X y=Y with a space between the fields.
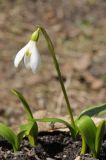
x=28 y=53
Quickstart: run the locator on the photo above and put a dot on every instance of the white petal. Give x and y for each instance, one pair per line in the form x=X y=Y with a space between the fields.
x=35 y=57
x=27 y=62
x=21 y=54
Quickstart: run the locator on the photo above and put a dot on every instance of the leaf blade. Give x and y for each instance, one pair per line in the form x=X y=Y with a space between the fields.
x=9 y=135
x=24 y=102
x=20 y=136
x=31 y=131
x=54 y=120
x=92 y=111
x=87 y=129
x=99 y=136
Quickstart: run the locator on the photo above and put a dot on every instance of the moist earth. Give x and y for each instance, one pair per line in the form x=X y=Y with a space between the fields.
x=51 y=146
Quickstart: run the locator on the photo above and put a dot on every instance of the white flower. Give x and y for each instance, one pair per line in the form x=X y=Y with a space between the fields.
x=30 y=55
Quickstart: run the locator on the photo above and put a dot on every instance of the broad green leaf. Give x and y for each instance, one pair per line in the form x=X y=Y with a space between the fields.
x=24 y=102
x=87 y=129
x=55 y=120
x=92 y=111
x=99 y=136
x=9 y=135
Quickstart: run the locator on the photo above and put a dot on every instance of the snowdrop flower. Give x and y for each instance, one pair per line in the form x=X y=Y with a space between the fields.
x=29 y=53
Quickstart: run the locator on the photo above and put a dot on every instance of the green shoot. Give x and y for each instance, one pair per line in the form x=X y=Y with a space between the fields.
x=99 y=137
x=91 y=135
x=84 y=145
x=20 y=136
x=31 y=131
x=10 y=136
x=87 y=129
x=31 y=128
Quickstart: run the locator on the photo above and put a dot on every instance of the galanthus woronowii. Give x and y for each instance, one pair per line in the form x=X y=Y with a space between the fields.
x=29 y=53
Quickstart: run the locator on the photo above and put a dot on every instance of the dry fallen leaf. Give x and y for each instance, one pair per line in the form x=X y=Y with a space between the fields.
x=83 y=62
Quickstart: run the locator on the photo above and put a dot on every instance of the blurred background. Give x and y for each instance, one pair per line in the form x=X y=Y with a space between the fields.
x=78 y=31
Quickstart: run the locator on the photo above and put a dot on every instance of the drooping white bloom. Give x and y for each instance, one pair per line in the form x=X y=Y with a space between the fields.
x=30 y=55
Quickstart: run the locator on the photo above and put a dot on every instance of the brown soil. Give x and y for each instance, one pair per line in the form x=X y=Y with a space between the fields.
x=51 y=146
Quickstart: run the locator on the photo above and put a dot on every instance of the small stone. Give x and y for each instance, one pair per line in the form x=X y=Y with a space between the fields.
x=49 y=158
x=64 y=156
x=77 y=158
x=8 y=152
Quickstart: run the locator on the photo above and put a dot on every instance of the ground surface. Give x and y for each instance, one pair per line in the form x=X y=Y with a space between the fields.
x=51 y=146
x=54 y=146
x=78 y=31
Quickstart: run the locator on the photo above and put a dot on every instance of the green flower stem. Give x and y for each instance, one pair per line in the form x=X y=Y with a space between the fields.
x=51 y=49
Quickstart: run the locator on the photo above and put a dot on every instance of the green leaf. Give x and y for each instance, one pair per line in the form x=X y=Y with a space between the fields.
x=87 y=129
x=20 y=136
x=33 y=135
x=99 y=136
x=55 y=120
x=31 y=131
x=84 y=145
x=9 y=135
x=92 y=111
x=24 y=102
x=27 y=127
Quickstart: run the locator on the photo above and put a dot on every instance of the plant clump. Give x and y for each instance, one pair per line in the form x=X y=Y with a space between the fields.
x=83 y=125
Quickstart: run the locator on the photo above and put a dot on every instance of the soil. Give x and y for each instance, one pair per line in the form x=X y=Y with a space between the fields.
x=51 y=146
